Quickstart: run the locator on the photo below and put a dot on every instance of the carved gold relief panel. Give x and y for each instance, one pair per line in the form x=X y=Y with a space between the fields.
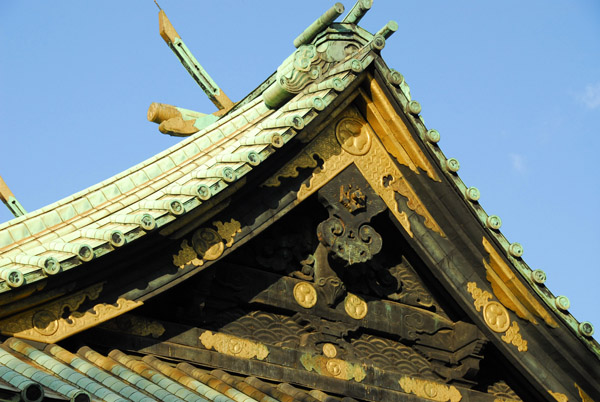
x=496 y=317
x=234 y=346
x=47 y=324
x=352 y=140
x=207 y=244
x=511 y=292
x=333 y=367
x=430 y=390
x=390 y=128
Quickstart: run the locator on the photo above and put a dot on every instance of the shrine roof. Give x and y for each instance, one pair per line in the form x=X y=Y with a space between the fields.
x=155 y=193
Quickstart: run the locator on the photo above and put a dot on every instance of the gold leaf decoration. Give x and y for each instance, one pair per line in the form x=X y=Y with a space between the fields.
x=332 y=367
x=46 y=324
x=513 y=336
x=510 y=291
x=305 y=294
x=355 y=307
x=496 y=317
x=559 y=397
x=353 y=136
x=584 y=397
x=481 y=296
x=228 y=230
x=186 y=255
x=395 y=135
x=234 y=346
x=430 y=390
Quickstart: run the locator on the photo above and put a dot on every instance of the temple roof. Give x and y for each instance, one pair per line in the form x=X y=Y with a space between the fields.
x=167 y=191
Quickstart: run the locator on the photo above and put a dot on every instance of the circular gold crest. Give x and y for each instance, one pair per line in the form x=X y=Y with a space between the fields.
x=496 y=316
x=305 y=294
x=334 y=367
x=235 y=346
x=353 y=136
x=430 y=390
x=45 y=322
x=207 y=244
x=329 y=350
x=355 y=306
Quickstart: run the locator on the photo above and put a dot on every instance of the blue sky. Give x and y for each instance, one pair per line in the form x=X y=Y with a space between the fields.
x=513 y=88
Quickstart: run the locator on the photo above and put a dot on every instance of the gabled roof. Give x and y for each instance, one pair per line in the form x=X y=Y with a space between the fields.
x=166 y=192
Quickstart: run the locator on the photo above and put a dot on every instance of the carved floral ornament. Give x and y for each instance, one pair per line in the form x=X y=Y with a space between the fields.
x=496 y=317
x=207 y=244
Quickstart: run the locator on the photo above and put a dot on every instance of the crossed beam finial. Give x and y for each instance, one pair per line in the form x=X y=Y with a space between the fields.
x=10 y=201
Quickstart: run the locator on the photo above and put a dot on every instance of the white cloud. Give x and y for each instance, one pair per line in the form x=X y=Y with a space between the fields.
x=591 y=96
x=518 y=162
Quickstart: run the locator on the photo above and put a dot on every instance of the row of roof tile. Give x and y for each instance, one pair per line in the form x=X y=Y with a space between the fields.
x=88 y=375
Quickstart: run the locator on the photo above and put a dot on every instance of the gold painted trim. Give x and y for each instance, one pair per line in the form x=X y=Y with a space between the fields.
x=510 y=291
x=46 y=324
x=496 y=317
x=392 y=131
x=234 y=346
x=430 y=390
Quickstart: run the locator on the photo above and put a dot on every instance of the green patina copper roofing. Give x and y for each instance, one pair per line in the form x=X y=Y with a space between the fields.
x=88 y=375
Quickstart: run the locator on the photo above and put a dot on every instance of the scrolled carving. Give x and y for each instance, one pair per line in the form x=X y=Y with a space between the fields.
x=295 y=73
x=503 y=392
x=348 y=243
x=135 y=325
